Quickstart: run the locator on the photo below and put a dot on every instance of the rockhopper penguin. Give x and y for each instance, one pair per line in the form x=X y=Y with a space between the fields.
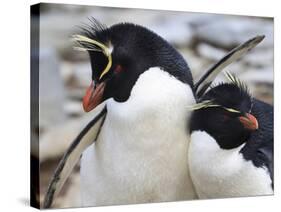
x=135 y=149
x=140 y=154
x=231 y=147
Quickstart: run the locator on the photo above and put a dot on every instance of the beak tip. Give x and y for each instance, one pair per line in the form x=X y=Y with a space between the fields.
x=85 y=103
x=93 y=97
x=85 y=109
x=254 y=121
x=249 y=122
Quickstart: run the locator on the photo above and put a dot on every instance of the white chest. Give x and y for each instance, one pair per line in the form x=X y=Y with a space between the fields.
x=141 y=153
x=218 y=173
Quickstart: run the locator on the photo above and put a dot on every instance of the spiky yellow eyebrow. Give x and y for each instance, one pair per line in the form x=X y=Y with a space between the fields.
x=210 y=103
x=103 y=48
x=204 y=104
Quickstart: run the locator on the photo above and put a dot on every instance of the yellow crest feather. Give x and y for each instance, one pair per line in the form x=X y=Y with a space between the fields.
x=204 y=104
x=101 y=47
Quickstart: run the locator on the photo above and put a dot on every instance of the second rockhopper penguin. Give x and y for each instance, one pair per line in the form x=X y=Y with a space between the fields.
x=231 y=148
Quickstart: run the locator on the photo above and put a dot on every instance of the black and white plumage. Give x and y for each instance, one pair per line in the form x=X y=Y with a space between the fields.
x=231 y=148
x=146 y=85
x=139 y=156
x=136 y=153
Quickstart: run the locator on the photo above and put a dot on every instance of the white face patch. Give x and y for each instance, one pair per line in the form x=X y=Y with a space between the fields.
x=218 y=173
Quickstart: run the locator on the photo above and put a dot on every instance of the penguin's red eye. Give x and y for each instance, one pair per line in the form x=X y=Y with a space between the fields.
x=118 y=69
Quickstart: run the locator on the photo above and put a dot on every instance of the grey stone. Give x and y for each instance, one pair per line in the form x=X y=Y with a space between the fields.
x=259 y=58
x=51 y=90
x=73 y=108
x=174 y=32
x=264 y=75
x=76 y=75
x=230 y=31
x=210 y=52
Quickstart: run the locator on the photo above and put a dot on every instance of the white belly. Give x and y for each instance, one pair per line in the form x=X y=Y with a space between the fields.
x=218 y=173
x=141 y=153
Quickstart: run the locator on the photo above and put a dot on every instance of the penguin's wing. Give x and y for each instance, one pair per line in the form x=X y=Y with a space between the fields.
x=206 y=80
x=86 y=137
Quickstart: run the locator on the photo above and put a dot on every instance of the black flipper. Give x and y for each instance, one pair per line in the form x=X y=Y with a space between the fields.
x=86 y=137
x=206 y=80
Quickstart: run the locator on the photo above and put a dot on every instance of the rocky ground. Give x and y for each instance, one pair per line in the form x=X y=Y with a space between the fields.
x=64 y=73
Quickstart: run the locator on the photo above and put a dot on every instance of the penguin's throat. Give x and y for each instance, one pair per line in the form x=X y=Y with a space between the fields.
x=156 y=96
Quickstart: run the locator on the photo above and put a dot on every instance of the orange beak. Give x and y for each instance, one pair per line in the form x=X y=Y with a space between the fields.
x=249 y=121
x=93 y=96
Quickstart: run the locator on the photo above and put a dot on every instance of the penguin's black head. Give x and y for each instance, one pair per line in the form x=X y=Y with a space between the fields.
x=120 y=54
x=225 y=114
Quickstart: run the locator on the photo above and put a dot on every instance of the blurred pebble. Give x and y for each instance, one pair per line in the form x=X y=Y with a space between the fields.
x=76 y=75
x=51 y=90
x=210 y=52
x=73 y=108
x=259 y=58
x=228 y=32
x=264 y=75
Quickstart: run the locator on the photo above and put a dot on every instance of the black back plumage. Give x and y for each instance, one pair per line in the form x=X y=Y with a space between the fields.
x=259 y=148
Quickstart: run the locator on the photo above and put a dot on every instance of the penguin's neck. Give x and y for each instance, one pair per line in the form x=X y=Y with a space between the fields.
x=223 y=161
x=157 y=101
